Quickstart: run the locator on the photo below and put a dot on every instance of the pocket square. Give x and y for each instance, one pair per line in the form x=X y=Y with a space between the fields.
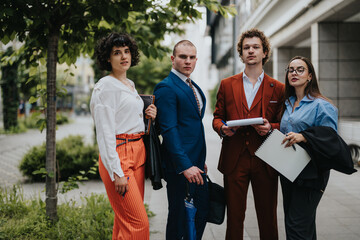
x=273 y=101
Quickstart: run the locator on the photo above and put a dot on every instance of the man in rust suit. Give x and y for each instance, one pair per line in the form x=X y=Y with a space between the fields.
x=249 y=94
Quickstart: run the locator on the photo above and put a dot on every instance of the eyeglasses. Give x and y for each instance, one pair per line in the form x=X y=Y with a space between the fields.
x=298 y=70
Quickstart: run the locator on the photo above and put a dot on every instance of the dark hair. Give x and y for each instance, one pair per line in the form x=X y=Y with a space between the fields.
x=259 y=34
x=312 y=88
x=106 y=44
x=182 y=42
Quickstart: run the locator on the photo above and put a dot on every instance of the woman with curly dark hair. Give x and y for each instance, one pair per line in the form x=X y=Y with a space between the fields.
x=117 y=110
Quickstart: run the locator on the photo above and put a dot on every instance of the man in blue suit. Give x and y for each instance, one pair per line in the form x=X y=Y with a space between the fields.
x=181 y=104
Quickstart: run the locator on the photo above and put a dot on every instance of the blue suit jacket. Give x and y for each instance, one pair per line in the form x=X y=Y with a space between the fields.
x=180 y=125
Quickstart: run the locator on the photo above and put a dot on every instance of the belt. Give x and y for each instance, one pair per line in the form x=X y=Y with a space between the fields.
x=126 y=140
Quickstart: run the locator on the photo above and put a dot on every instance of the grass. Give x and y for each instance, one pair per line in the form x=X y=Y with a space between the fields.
x=26 y=219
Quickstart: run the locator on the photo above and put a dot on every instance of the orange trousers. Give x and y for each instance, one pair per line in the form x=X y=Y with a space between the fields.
x=131 y=221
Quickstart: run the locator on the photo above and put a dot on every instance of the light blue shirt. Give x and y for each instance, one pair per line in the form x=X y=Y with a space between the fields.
x=249 y=89
x=310 y=112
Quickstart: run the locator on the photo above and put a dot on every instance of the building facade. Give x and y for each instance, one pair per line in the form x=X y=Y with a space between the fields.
x=326 y=31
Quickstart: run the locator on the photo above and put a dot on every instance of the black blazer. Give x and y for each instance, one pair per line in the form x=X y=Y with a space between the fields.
x=327 y=151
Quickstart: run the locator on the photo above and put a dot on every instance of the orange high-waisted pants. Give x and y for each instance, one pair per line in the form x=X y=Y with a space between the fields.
x=131 y=221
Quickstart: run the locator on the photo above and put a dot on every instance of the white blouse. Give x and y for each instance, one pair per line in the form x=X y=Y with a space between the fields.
x=116 y=110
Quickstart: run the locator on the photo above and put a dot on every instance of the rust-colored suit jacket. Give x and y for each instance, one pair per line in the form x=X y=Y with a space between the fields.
x=231 y=105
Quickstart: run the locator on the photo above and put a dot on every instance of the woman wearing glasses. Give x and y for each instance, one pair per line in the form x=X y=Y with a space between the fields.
x=304 y=107
x=117 y=110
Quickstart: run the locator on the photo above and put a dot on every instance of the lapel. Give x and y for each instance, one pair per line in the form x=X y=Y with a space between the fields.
x=202 y=98
x=269 y=87
x=186 y=89
x=258 y=96
x=243 y=96
x=238 y=94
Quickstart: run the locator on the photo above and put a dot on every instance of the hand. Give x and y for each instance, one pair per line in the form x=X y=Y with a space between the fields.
x=151 y=111
x=121 y=184
x=193 y=175
x=228 y=131
x=292 y=138
x=262 y=129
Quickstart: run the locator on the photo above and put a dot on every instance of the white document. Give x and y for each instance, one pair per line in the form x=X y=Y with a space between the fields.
x=287 y=161
x=245 y=122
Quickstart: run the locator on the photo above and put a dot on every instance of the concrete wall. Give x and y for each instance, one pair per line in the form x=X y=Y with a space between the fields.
x=339 y=63
x=283 y=56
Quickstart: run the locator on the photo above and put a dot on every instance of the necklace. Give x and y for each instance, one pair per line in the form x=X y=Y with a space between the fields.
x=127 y=84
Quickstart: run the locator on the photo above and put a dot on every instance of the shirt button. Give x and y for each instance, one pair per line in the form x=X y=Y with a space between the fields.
x=141 y=115
x=137 y=97
x=248 y=115
x=247 y=142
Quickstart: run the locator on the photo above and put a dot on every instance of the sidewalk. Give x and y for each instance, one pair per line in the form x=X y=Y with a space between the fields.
x=338 y=213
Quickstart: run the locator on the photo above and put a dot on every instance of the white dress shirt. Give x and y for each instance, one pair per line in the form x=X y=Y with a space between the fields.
x=183 y=77
x=116 y=110
x=250 y=90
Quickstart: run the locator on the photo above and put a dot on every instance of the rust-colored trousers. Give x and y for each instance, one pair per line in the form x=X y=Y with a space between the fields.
x=131 y=221
x=251 y=169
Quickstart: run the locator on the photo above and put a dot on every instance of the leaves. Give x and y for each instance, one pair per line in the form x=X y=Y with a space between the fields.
x=80 y=23
x=5 y=40
x=33 y=99
x=33 y=71
x=73 y=181
x=149 y=72
x=41 y=171
x=42 y=124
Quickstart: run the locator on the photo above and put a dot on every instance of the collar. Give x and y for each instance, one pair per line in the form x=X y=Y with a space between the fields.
x=260 y=78
x=180 y=75
x=305 y=99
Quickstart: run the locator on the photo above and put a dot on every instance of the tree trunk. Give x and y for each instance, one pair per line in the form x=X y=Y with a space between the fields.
x=51 y=190
x=10 y=93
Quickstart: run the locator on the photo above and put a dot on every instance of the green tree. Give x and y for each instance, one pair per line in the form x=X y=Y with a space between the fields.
x=148 y=73
x=58 y=31
x=10 y=91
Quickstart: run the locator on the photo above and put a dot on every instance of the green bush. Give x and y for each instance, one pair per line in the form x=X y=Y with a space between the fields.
x=61 y=119
x=213 y=93
x=14 y=130
x=26 y=219
x=33 y=122
x=30 y=121
x=72 y=155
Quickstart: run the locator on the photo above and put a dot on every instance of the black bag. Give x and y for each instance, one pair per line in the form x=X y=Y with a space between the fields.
x=217 y=203
x=153 y=168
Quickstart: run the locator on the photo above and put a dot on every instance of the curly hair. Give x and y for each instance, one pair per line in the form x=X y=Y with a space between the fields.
x=106 y=44
x=259 y=34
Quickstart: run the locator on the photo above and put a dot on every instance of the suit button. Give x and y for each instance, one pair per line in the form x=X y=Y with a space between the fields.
x=247 y=134
x=247 y=142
